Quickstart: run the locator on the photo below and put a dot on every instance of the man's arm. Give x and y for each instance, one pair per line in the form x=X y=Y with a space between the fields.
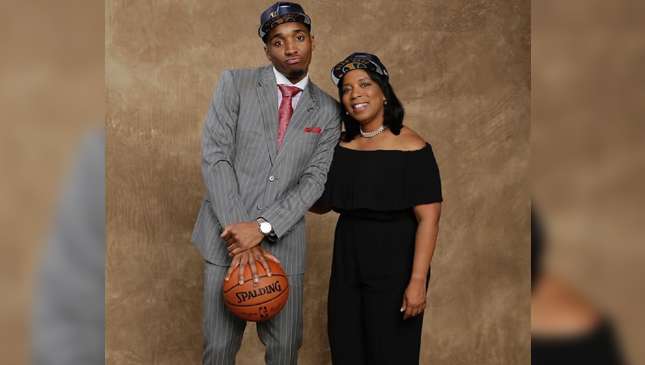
x=285 y=213
x=218 y=151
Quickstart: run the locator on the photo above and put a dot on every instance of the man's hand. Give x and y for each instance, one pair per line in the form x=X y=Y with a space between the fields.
x=241 y=236
x=414 y=298
x=251 y=257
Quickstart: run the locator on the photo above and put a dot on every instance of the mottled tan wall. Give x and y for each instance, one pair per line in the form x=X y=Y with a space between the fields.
x=461 y=67
x=51 y=92
x=588 y=155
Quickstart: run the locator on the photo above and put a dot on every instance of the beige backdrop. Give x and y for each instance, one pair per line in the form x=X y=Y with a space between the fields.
x=51 y=93
x=461 y=68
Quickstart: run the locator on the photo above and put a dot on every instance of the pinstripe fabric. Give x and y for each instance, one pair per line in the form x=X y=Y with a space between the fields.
x=239 y=155
x=222 y=330
x=282 y=335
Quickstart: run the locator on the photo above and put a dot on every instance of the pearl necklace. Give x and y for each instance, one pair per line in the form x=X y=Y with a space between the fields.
x=373 y=133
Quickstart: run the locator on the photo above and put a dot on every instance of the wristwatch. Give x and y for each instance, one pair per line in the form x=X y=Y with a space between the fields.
x=266 y=229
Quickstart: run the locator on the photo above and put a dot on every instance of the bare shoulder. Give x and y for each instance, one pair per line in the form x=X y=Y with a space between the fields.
x=350 y=144
x=409 y=140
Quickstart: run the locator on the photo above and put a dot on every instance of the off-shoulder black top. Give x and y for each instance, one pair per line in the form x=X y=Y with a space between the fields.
x=381 y=180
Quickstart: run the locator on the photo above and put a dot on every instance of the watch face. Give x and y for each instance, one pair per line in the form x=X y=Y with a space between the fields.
x=265 y=227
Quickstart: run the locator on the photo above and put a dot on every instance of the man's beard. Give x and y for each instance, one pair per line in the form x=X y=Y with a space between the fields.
x=297 y=74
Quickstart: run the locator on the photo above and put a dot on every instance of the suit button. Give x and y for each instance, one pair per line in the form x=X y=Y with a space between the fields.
x=271 y=178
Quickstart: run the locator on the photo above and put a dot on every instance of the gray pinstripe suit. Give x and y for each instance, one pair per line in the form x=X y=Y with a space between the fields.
x=247 y=177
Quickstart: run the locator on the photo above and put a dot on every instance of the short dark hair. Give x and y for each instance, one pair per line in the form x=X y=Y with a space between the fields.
x=393 y=112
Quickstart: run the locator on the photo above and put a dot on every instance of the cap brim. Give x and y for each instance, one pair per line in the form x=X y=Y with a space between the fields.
x=266 y=28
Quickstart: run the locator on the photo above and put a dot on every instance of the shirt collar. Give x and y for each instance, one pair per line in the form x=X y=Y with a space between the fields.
x=280 y=79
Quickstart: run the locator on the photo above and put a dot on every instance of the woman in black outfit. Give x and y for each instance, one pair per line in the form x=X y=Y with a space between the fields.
x=384 y=182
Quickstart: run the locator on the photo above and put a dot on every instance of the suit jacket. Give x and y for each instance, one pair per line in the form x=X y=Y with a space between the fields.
x=247 y=177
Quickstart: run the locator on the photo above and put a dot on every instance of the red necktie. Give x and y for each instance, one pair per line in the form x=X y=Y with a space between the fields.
x=285 y=111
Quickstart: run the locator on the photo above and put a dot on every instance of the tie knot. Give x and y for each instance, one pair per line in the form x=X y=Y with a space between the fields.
x=288 y=91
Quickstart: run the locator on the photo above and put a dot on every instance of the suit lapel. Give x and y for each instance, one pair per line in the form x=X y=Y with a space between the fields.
x=268 y=97
x=307 y=104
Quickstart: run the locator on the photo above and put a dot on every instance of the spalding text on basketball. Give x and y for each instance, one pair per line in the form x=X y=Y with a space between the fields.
x=244 y=296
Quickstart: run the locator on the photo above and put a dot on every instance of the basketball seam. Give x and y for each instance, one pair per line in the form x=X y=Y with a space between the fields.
x=238 y=284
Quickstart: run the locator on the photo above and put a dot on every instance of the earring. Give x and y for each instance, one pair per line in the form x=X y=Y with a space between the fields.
x=346 y=113
x=385 y=102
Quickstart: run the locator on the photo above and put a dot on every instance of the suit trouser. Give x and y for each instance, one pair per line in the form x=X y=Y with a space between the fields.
x=281 y=335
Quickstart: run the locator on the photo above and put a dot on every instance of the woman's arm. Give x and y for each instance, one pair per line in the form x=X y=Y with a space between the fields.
x=414 y=299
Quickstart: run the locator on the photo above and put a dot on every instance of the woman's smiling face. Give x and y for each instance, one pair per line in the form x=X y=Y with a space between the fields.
x=362 y=97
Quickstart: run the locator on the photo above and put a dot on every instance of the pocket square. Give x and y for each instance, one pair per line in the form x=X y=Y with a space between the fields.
x=315 y=130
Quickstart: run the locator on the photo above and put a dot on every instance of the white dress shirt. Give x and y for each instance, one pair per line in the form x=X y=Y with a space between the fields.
x=283 y=80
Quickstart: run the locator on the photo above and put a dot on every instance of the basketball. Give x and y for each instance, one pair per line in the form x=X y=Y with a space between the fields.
x=256 y=301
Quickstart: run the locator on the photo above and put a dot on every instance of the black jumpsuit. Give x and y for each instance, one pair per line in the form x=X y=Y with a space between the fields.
x=375 y=192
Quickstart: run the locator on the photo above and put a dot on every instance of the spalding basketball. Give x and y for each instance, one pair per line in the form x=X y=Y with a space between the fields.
x=257 y=301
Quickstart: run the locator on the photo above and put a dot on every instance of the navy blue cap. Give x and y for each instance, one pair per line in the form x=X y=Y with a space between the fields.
x=279 y=13
x=358 y=60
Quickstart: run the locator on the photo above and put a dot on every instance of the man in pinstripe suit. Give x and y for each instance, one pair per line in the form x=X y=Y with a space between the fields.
x=268 y=140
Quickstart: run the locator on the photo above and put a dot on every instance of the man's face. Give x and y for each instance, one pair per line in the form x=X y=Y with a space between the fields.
x=289 y=47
